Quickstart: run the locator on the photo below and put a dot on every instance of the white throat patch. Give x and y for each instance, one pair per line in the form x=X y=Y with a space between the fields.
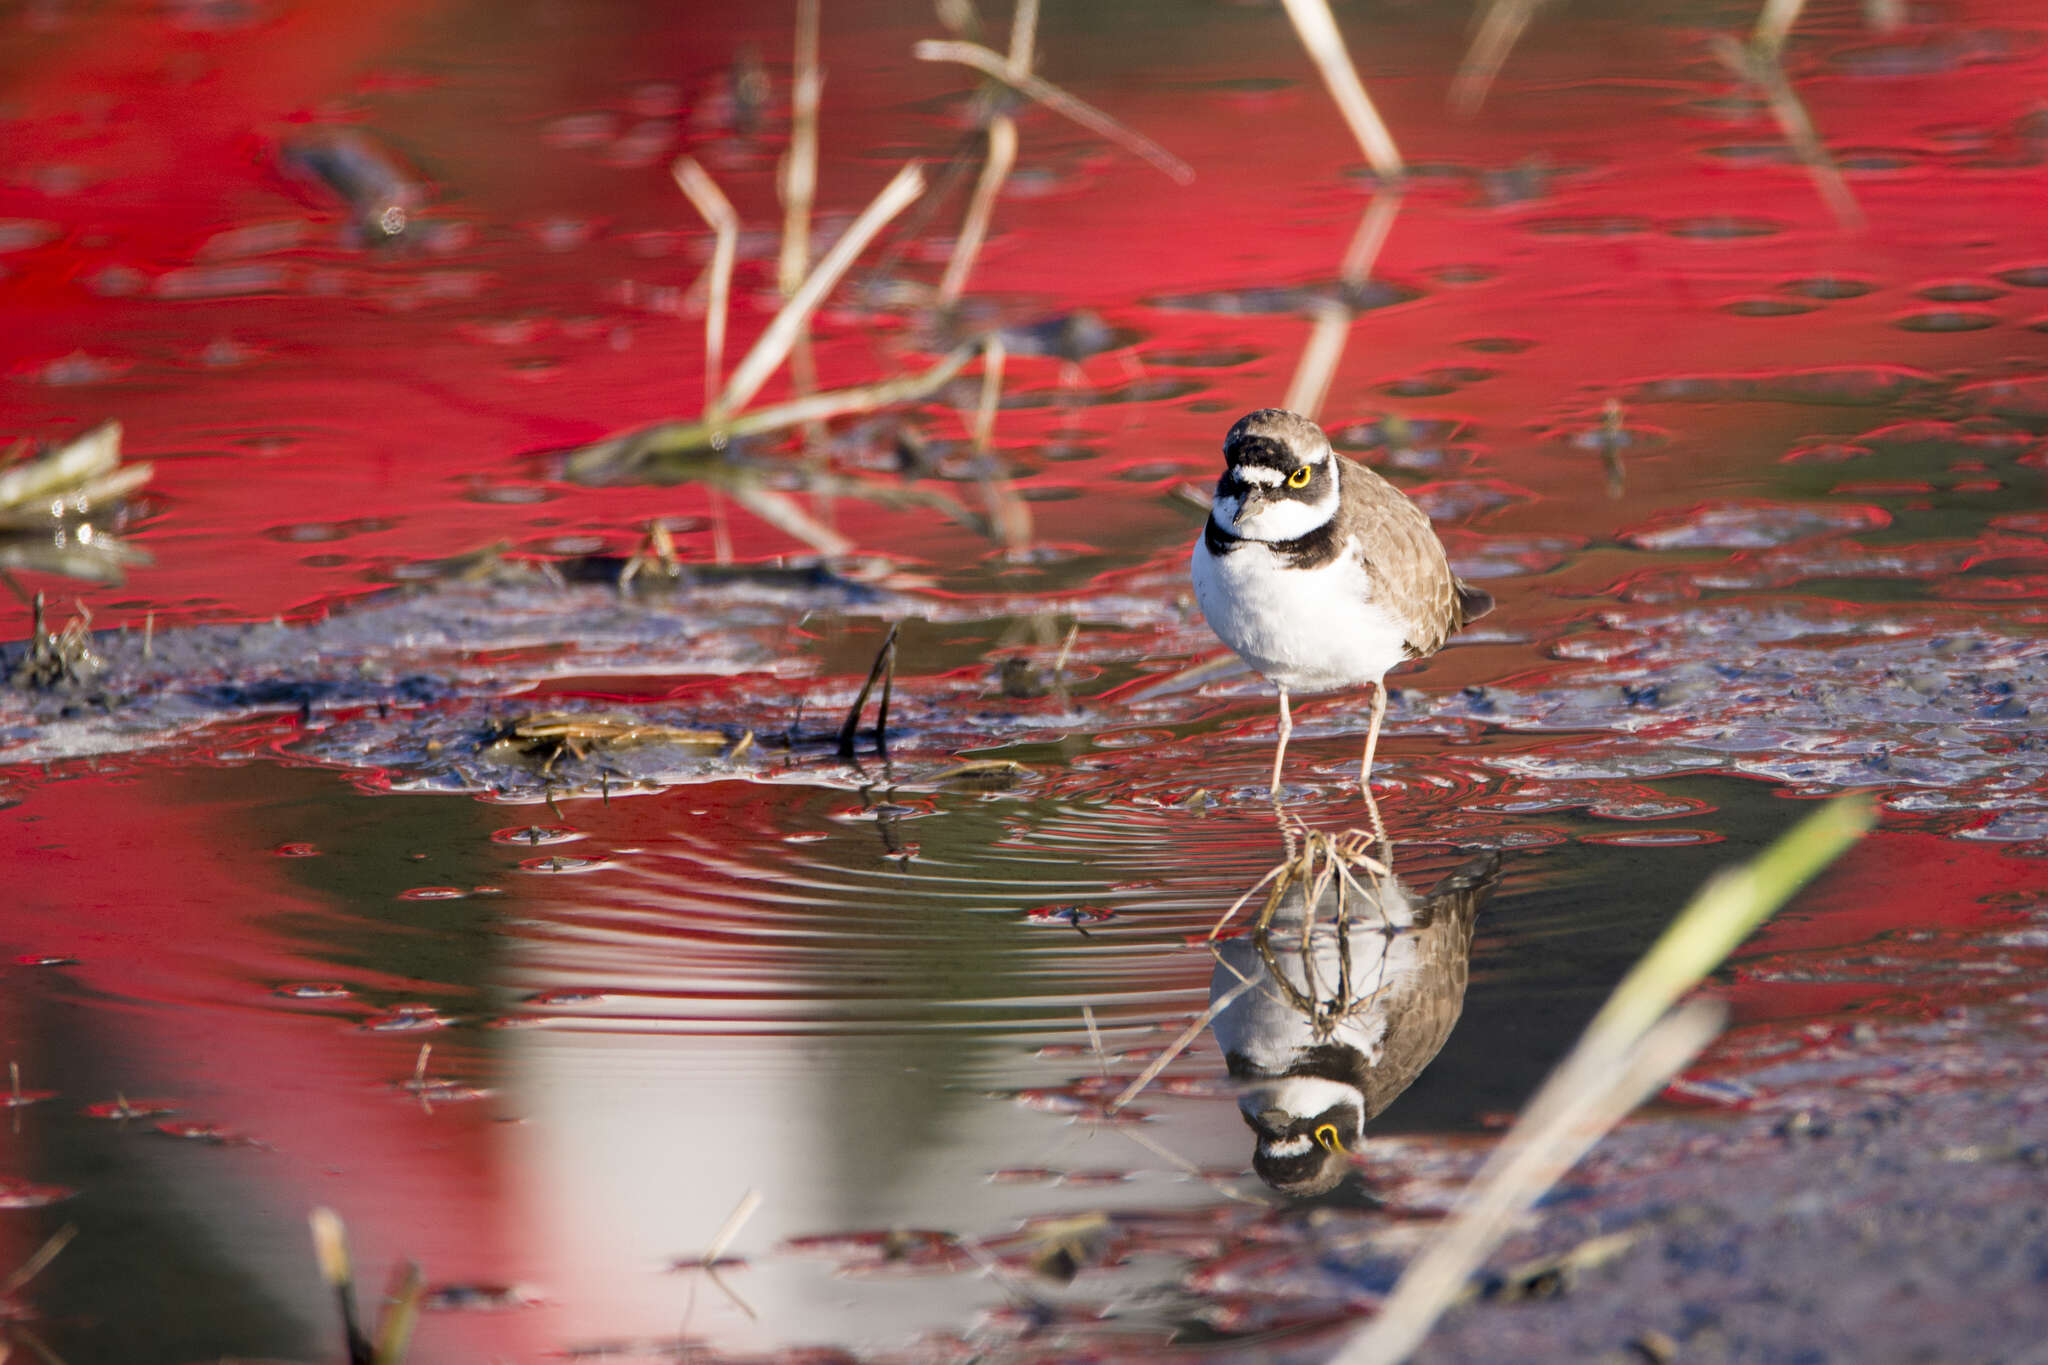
x=1277 y=519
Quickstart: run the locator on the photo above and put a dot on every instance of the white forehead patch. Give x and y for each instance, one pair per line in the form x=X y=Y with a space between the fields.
x=1263 y=475
x=1289 y=1146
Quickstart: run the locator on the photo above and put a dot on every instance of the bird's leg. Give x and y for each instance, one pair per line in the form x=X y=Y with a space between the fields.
x=1372 y=742
x=1280 y=748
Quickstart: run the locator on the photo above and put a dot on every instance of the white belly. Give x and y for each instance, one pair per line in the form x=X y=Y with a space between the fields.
x=1307 y=630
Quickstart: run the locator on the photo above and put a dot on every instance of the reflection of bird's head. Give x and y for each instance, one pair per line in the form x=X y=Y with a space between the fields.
x=1305 y=1129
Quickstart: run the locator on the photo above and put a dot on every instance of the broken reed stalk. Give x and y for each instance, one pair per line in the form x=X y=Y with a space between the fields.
x=884 y=668
x=1318 y=30
x=997 y=66
x=1318 y=365
x=1500 y=28
x=1002 y=155
x=717 y=212
x=774 y=344
x=799 y=179
x=1634 y=1044
x=330 y=1247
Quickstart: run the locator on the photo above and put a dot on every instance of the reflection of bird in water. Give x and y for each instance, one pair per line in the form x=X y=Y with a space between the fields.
x=1320 y=573
x=1316 y=1066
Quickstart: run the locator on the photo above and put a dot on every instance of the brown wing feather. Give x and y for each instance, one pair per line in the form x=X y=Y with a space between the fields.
x=1405 y=561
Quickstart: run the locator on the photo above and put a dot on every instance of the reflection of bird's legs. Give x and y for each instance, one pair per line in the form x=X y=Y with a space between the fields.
x=1372 y=742
x=1280 y=748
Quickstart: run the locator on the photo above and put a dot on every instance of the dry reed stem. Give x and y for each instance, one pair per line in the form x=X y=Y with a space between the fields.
x=1002 y=155
x=1009 y=516
x=1179 y=1045
x=774 y=344
x=717 y=212
x=730 y=1229
x=783 y=513
x=1500 y=28
x=1371 y=237
x=1774 y=26
x=1631 y=1047
x=609 y=458
x=992 y=357
x=996 y=65
x=401 y=1312
x=1765 y=71
x=1318 y=30
x=1319 y=359
x=1023 y=36
x=799 y=179
x=39 y=1260
x=1538 y=1158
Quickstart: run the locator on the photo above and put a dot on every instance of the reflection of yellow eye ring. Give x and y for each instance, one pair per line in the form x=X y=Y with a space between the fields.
x=1300 y=477
x=1326 y=1136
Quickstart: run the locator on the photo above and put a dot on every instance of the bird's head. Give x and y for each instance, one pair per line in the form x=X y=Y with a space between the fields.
x=1279 y=477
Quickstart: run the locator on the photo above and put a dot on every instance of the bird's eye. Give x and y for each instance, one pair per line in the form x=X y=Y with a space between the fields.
x=1300 y=477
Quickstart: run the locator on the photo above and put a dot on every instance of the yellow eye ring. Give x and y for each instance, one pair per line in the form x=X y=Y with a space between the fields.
x=1300 y=477
x=1327 y=1139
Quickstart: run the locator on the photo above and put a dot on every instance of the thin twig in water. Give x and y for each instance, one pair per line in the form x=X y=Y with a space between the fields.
x=992 y=357
x=1002 y=154
x=717 y=212
x=1318 y=30
x=995 y=64
x=37 y=1262
x=1178 y=1045
x=1366 y=243
x=1765 y=71
x=730 y=1229
x=1774 y=26
x=1009 y=516
x=773 y=345
x=1095 y=1040
x=1500 y=28
x=1318 y=364
x=885 y=661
